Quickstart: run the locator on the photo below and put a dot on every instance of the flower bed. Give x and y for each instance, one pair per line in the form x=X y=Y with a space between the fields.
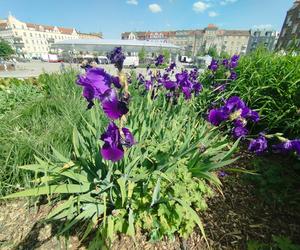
x=146 y=152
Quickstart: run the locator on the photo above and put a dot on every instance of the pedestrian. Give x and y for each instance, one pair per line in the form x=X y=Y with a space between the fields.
x=62 y=67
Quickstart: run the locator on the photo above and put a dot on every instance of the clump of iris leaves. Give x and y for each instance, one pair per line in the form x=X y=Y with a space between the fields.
x=164 y=179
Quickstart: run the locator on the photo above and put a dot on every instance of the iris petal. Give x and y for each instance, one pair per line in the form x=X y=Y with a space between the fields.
x=112 y=107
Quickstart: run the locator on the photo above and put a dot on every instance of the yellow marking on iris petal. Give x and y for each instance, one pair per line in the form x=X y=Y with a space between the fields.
x=235 y=115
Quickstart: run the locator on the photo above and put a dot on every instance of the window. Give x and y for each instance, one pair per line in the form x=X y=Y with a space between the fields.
x=24 y=33
x=295 y=27
x=30 y=34
x=283 y=32
x=288 y=21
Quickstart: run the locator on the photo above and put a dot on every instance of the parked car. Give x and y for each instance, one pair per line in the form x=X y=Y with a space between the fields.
x=102 y=60
x=185 y=59
x=6 y=66
x=131 y=62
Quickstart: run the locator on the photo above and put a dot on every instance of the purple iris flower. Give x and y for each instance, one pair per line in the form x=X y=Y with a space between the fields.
x=222 y=173
x=98 y=79
x=170 y=85
x=159 y=60
x=225 y=62
x=117 y=57
x=253 y=115
x=171 y=67
x=234 y=103
x=141 y=79
x=95 y=83
x=197 y=87
x=235 y=58
x=116 y=81
x=240 y=131
x=233 y=75
x=216 y=116
x=182 y=77
x=112 y=106
x=113 y=142
x=239 y=123
x=112 y=149
x=128 y=140
x=148 y=84
x=194 y=74
x=258 y=145
x=234 y=61
x=287 y=146
x=88 y=93
x=187 y=93
x=213 y=65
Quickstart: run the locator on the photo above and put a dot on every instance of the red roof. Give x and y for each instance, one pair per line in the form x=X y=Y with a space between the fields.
x=3 y=25
x=62 y=30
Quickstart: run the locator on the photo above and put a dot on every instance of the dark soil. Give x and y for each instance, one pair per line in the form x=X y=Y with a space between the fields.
x=234 y=218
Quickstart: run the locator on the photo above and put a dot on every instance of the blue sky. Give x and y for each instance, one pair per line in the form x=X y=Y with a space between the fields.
x=115 y=16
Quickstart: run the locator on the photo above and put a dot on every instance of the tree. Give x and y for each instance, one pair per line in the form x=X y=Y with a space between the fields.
x=200 y=53
x=212 y=51
x=5 y=49
x=224 y=55
x=142 y=55
x=189 y=53
x=167 y=55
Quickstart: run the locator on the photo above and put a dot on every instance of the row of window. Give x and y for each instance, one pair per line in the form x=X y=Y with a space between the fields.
x=47 y=35
x=36 y=48
x=294 y=29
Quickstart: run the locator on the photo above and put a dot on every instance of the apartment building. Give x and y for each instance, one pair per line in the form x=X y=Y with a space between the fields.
x=194 y=41
x=266 y=38
x=34 y=40
x=290 y=32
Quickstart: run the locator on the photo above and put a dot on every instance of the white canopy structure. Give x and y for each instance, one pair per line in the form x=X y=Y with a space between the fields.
x=106 y=45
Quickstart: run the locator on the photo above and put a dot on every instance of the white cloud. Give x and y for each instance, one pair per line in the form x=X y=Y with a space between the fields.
x=154 y=8
x=225 y=2
x=213 y=14
x=263 y=26
x=133 y=2
x=200 y=6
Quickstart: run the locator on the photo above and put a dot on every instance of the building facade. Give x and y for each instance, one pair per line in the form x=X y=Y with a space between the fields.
x=262 y=38
x=199 y=41
x=34 y=40
x=290 y=32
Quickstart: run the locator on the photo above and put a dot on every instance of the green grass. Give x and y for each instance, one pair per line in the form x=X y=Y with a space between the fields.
x=33 y=124
x=270 y=83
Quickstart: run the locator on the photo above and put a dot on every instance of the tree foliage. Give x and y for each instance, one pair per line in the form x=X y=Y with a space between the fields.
x=142 y=55
x=212 y=51
x=5 y=49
